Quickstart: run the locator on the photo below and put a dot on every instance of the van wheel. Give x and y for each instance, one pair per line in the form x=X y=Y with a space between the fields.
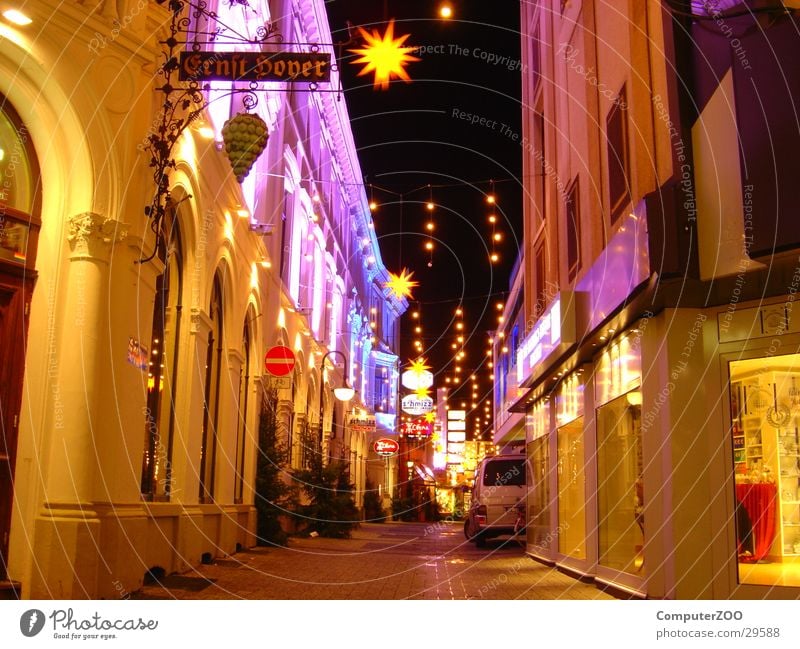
x=466 y=530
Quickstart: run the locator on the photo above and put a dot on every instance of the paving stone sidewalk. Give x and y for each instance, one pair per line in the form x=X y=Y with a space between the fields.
x=382 y=562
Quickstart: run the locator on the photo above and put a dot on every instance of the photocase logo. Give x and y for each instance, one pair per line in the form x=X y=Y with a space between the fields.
x=31 y=622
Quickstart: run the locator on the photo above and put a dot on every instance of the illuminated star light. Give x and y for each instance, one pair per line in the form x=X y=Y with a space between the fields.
x=386 y=57
x=422 y=393
x=418 y=366
x=401 y=285
x=430 y=417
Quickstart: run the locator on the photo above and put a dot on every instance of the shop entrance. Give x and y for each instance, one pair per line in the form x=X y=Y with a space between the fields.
x=19 y=234
x=765 y=440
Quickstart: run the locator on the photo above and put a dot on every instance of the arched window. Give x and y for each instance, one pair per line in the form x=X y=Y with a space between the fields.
x=208 y=448
x=241 y=433
x=162 y=366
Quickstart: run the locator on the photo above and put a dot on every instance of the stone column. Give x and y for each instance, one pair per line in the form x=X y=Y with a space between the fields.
x=67 y=529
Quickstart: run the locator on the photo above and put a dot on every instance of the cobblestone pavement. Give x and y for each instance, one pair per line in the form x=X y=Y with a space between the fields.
x=380 y=561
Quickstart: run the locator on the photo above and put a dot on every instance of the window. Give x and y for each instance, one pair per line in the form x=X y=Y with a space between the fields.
x=504 y=473
x=540 y=299
x=244 y=397
x=764 y=443
x=162 y=363
x=573 y=227
x=381 y=388
x=208 y=449
x=618 y=159
x=535 y=54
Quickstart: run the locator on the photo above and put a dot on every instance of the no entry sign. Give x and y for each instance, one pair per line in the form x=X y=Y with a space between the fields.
x=279 y=360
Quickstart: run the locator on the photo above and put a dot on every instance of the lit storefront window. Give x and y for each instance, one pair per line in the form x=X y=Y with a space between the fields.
x=539 y=533
x=571 y=491
x=619 y=484
x=765 y=440
x=570 y=469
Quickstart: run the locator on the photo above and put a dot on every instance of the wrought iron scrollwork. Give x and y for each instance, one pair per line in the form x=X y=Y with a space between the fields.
x=193 y=26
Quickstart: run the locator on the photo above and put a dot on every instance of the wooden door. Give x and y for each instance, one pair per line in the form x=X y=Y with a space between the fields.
x=14 y=301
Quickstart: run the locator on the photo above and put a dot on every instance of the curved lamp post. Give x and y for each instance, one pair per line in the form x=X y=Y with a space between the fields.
x=342 y=393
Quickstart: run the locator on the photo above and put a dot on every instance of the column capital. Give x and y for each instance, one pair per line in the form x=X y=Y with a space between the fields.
x=91 y=236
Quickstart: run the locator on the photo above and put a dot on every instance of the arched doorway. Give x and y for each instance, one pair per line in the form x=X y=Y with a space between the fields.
x=20 y=221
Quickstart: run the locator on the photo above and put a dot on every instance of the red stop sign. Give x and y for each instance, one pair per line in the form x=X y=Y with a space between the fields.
x=279 y=360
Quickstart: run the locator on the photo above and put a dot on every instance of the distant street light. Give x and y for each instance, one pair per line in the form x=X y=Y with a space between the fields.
x=342 y=393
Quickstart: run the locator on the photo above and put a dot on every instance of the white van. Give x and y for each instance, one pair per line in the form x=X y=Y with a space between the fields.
x=498 y=498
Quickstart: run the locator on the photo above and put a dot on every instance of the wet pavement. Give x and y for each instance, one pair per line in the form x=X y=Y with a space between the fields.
x=381 y=561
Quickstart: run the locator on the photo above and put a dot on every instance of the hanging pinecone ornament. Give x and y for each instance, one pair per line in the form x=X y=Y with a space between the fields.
x=245 y=136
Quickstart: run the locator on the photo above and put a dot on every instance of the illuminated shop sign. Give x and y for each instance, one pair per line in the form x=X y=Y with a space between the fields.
x=414 y=405
x=385 y=447
x=552 y=332
x=415 y=380
x=419 y=428
x=364 y=424
x=255 y=66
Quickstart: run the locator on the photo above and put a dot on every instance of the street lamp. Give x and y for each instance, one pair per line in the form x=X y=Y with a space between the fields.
x=342 y=393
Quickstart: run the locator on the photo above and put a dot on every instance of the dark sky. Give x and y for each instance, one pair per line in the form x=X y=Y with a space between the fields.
x=453 y=128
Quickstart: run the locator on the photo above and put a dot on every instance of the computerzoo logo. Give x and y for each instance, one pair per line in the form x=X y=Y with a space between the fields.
x=66 y=626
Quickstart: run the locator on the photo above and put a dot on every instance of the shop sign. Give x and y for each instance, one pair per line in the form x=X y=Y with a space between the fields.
x=537 y=344
x=137 y=354
x=552 y=332
x=456 y=437
x=414 y=405
x=456 y=424
x=459 y=415
x=279 y=382
x=363 y=424
x=385 y=447
x=303 y=67
x=414 y=380
x=415 y=429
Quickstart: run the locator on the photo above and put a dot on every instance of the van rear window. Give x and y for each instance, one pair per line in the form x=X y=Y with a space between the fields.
x=503 y=473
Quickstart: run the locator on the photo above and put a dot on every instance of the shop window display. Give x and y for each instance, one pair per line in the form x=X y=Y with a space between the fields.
x=619 y=484
x=571 y=491
x=765 y=442
x=539 y=533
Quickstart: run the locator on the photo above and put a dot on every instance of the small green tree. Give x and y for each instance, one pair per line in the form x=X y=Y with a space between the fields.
x=373 y=511
x=274 y=497
x=331 y=510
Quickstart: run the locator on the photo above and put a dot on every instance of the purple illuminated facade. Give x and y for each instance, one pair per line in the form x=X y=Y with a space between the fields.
x=660 y=224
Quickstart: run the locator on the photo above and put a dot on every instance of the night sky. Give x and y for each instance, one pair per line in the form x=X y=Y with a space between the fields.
x=455 y=127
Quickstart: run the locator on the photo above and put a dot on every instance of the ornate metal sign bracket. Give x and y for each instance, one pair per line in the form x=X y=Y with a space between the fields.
x=188 y=62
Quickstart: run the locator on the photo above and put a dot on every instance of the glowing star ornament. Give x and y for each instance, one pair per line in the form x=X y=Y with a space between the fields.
x=385 y=56
x=422 y=392
x=401 y=285
x=430 y=417
x=417 y=376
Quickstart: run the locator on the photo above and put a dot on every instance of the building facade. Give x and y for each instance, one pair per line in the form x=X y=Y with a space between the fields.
x=135 y=373
x=659 y=362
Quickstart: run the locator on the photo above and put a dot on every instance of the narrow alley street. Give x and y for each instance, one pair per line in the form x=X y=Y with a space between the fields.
x=380 y=561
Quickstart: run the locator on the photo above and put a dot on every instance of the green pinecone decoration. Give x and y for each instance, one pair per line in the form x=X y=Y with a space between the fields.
x=245 y=136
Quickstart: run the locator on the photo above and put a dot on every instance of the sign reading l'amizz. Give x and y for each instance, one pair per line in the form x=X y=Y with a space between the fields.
x=304 y=67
